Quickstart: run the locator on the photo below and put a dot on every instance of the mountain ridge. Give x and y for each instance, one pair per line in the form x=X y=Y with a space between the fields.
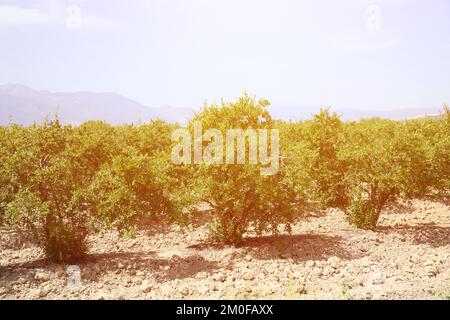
x=24 y=105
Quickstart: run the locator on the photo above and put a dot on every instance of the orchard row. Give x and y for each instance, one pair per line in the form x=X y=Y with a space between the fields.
x=65 y=182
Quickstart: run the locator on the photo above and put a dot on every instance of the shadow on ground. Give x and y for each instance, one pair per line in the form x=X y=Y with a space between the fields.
x=426 y=233
x=297 y=247
x=122 y=263
x=162 y=269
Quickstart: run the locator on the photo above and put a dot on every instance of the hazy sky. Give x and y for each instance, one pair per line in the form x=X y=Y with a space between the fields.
x=349 y=53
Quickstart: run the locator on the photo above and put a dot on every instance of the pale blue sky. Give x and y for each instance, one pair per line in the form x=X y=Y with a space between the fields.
x=181 y=52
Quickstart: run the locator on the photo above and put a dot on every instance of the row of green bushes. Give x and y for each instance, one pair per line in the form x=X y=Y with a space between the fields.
x=65 y=182
x=360 y=166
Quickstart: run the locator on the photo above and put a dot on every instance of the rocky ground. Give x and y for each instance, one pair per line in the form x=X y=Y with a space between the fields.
x=326 y=258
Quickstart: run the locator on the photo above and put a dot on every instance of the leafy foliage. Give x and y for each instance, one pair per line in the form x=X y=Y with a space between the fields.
x=63 y=183
x=361 y=166
x=44 y=180
x=241 y=198
x=132 y=188
x=311 y=154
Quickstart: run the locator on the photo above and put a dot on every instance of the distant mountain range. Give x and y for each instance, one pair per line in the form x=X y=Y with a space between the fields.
x=23 y=105
x=298 y=113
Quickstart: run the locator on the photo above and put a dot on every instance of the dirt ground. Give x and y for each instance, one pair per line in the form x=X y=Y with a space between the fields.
x=325 y=258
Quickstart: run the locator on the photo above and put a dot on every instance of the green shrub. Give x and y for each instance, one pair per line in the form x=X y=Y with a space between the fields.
x=241 y=198
x=63 y=236
x=435 y=134
x=132 y=188
x=363 y=212
x=384 y=162
x=146 y=139
x=310 y=152
x=46 y=171
x=325 y=136
x=5 y=194
x=45 y=180
x=63 y=183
